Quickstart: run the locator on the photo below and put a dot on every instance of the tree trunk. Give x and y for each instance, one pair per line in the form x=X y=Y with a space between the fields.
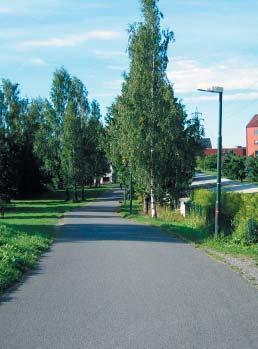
x=153 y=130
x=145 y=204
x=67 y=195
x=83 y=196
x=125 y=194
x=153 y=199
x=75 y=193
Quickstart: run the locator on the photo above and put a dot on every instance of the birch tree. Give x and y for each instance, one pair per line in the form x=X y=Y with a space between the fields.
x=147 y=126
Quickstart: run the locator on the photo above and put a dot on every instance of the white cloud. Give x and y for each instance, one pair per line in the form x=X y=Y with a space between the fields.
x=95 y=5
x=108 y=54
x=73 y=40
x=5 y=10
x=114 y=85
x=188 y=75
x=117 y=67
x=102 y=95
x=38 y=61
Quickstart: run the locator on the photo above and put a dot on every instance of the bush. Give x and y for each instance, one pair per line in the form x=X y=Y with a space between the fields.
x=236 y=211
x=204 y=198
x=231 y=203
x=208 y=162
x=234 y=167
x=251 y=169
x=248 y=212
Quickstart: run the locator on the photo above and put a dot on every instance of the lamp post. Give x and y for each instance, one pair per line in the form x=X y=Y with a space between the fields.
x=218 y=90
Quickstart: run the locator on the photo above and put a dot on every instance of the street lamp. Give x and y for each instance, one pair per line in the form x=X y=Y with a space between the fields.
x=219 y=90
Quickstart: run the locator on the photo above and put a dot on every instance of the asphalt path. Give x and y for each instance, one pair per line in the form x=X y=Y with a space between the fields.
x=112 y=283
x=202 y=180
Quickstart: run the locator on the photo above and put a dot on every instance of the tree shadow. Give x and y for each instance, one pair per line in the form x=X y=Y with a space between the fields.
x=120 y=231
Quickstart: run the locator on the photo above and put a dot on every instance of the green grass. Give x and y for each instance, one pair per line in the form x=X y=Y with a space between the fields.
x=28 y=230
x=198 y=236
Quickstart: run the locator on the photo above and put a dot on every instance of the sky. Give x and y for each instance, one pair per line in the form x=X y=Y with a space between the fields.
x=216 y=44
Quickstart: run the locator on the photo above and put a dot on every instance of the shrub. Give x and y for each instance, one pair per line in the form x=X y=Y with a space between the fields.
x=236 y=210
x=231 y=203
x=208 y=162
x=251 y=169
x=203 y=197
x=234 y=166
x=248 y=211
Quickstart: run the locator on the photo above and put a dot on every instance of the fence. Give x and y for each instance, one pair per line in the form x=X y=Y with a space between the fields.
x=208 y=214
x=252 y=231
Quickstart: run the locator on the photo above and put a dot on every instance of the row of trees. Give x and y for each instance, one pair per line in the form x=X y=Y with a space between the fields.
x=57 y=143
x=233 y=166
x=148 y=130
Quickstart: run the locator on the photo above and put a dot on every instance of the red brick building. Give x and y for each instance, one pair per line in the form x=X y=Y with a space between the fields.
x=241 y=151
x=252 y=137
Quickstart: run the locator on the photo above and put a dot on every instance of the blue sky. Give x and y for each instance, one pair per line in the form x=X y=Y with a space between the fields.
x=216 y=44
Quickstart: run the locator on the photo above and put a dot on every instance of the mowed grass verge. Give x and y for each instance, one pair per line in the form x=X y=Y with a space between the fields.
x=199 y=237
x=28 y=230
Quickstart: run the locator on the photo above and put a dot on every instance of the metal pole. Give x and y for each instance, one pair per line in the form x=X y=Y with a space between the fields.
x=219 y=158
x=131 y=193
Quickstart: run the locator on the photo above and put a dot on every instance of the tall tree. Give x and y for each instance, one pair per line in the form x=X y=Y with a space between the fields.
x=149 y=132
x=96 y=143
x=72 y=148
x=12 y=115
x=47 y=144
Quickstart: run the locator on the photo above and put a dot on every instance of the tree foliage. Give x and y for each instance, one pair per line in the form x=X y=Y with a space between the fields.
x=56 y=143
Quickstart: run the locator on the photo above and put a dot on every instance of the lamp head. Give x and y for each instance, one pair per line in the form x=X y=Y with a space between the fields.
x=213 y=89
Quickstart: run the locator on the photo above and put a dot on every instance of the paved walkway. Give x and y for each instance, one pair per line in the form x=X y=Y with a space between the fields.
x=111 y=283
x=202 y=180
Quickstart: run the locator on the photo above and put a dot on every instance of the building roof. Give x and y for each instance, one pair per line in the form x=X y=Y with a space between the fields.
x=253 y=122
x=206 y=143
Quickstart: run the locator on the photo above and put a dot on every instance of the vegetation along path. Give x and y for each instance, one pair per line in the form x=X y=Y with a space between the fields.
x=112 y=283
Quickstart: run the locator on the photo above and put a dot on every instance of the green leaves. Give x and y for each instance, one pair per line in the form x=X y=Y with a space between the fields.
x=49 y=143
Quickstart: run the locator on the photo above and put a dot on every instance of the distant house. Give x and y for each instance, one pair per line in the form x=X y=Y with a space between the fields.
x=108 y=177
x=252 y=137
x=240 y=151
x=206 y=143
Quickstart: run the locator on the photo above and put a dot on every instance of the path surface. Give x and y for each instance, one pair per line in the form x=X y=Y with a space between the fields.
x=111 y=283
x=202 y=180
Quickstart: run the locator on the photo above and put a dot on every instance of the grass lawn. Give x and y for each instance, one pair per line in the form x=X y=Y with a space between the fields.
x=199 y=237
x=28 y=230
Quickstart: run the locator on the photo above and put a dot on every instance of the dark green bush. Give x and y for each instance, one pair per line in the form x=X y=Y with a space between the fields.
x=234 y=167
x=207 y=163
x=251 y=169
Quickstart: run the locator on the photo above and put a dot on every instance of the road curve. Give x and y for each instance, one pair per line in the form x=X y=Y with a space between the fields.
x=112 y=283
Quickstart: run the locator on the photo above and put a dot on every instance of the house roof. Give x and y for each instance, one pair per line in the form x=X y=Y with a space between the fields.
x=206 y=143
x=253 y=122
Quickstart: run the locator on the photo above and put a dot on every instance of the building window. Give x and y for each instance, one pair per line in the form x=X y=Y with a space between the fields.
x=256 y=132
x=256 y=153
